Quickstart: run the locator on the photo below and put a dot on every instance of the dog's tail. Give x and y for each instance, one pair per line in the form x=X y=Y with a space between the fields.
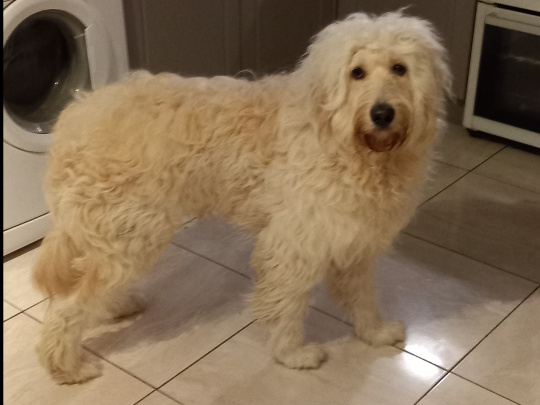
x=53 y=272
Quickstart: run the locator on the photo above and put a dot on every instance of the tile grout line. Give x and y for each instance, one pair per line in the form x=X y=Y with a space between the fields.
x=469 y=257
x=485 y=337
x=313 y=307
x=495 y=327
x=486 y=159
x=444 y=189
x=157 y=388
x=211 y=260
x=493 y=178
x=159 y=392
x=444 y=162
x=468 y=171
x=23 y=311
x=112 y=364
x=91 y=351
x=394 y=345
x=139 y=378
x=451 y=370
x=206 y=354
x=446 y=372
x=485 y=388
x=18 y=307
x=432 y=386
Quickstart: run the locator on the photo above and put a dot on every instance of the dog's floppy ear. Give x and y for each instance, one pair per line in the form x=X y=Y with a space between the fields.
x=443 y=71
x=324 y=68
x=426 y=36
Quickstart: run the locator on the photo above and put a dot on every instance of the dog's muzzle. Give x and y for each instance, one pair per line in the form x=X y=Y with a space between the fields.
x=383 y=141
x=382 y=133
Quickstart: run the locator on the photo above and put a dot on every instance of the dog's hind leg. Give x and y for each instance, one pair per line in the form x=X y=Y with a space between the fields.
x=126 y=303
x=59 y=349
x=100 y=278
x=354 y=289
x=281 y=296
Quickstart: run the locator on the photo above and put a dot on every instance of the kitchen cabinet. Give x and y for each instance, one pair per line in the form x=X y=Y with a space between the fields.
x=187 y=37
x=216 y=37
x=276 y=33
x=223 y=37
x=453 y=19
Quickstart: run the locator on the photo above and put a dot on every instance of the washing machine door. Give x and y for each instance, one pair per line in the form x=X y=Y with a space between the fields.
x=53 y=50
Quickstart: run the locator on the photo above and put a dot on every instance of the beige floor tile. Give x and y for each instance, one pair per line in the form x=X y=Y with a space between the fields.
x=485 y=219
x=18 y=289
x=442 y=176
x=9 y=311
x=458 y=148
x=514 y=166
x=37 y=312
x=508 y=360
x=194 y=305
x=447 y=301
x=354 y=373
x=22 y=251
x=157 y=398
x=27 y=383
x=218 y=241
x=453 y=390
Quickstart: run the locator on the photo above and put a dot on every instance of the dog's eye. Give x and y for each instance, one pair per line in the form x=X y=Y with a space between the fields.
x=358 y=73
x=399 y=69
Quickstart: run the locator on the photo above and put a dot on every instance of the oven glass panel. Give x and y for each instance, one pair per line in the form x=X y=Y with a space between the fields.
x=509 y=78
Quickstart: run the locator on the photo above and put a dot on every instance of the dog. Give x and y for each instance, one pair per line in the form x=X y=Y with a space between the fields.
x=322 y=165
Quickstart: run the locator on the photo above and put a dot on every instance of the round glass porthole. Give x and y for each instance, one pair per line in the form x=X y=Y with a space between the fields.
x=45 y=66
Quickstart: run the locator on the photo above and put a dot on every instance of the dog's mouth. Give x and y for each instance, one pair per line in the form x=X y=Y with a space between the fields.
x=382 y=130
x=383 y=140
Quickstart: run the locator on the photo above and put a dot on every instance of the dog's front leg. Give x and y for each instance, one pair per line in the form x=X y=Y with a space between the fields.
x=280 y=299
x=354 y=289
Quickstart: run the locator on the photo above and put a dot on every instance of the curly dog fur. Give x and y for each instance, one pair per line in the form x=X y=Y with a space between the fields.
x=302 y=160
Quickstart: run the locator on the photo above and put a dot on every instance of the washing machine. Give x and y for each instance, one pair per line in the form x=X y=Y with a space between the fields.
x=53 y=49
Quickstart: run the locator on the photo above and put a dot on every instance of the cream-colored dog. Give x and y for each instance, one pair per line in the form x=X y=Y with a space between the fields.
x=322 y=165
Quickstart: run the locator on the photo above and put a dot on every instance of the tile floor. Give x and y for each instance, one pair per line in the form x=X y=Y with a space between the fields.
x=464 y=276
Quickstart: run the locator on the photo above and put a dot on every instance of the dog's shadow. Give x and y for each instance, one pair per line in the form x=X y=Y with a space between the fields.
x=193 y=307
x=186 y=296
x=453 y=270
x=191 y=298
x=191 y=302
x=501 y=232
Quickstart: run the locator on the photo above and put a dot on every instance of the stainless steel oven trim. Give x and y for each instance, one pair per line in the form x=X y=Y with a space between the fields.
x=489 y=14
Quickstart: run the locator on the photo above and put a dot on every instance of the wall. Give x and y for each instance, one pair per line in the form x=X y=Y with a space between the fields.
x=222 y=37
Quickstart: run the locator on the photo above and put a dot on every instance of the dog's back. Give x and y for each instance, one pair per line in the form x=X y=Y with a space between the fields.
x=137 y=157
x=167 y=134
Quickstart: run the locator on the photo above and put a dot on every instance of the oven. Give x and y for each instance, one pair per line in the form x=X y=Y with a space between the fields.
x=503 y=89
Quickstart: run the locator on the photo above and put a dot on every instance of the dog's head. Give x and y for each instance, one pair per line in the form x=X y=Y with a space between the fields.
x=380 y=80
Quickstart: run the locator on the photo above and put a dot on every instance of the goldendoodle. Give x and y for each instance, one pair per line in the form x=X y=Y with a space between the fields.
x=323 y=165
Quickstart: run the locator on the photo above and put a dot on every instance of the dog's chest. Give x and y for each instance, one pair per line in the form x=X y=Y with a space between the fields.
x=362 y=221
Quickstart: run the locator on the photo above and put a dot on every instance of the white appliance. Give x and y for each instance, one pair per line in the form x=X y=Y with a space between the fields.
x=52 y=50
x=503 y=90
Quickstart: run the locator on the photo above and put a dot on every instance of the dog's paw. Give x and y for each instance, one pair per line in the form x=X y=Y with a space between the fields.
x=385 y=333
x=309 y=356
x=84 y=370
x=130 y=304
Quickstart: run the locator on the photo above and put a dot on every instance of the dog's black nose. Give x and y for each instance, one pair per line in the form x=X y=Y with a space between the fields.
x=382 y=115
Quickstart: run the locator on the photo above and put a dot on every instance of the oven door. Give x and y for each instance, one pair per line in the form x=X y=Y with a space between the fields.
x=503 y=91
